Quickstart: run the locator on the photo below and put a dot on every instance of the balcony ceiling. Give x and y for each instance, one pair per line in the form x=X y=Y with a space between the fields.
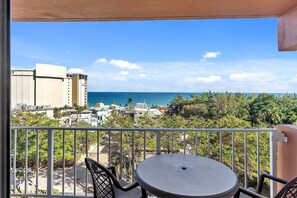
x=114 y=10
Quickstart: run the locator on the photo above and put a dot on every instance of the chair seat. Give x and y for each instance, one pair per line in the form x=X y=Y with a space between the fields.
x=242 y=195
x=134 y=193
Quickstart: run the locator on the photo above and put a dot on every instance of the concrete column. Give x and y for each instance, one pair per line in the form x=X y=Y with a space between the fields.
x=287 y=31
x=4 y=98
x=287 y=153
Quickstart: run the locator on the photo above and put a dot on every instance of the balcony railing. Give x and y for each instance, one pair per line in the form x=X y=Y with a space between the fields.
x=48 y=161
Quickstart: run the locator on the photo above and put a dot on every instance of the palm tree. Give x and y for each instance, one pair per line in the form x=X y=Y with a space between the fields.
x=130 y=102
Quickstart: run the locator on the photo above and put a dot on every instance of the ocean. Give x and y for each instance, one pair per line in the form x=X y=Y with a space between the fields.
x=150 y=98
x=121 y=98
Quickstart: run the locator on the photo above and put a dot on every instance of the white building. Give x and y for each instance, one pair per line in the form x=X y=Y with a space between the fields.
x=86 y=116
x=154 y=112
x=103 y=115
x=141 y=106
x=48 y=85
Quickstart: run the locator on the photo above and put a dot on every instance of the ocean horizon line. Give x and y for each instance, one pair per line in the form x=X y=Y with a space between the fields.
x=150 y=98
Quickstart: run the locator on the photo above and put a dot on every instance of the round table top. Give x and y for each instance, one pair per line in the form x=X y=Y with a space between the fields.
x=189 y=176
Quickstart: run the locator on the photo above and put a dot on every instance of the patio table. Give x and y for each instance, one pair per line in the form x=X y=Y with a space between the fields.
x=186 y=176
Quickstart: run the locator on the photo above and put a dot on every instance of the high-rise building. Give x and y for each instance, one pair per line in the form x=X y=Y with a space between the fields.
x=48 y=85
x=80 y=89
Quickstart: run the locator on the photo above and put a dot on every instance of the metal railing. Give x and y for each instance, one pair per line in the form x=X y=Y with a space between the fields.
x=48 y=161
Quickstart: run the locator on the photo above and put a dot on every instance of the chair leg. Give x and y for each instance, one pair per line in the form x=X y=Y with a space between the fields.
x=144 y=193
x=237 y=194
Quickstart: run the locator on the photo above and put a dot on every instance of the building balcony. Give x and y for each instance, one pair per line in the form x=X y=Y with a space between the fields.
x=49 y=162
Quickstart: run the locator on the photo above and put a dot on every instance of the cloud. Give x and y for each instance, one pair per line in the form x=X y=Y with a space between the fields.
x=75 y=71
x=253 y=76
x=119 y=79
x=239 y=76
x=209 y=79
x=250 y=76
x=142 y=75
x=209 y=55
x=124 y=73
x=123 y=64
x=100 y=61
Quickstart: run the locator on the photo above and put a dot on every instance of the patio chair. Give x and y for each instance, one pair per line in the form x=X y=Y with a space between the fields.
x=288 y=191
x=106 y=185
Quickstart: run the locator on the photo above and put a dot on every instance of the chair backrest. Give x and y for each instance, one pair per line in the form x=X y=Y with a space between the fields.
x=289 y=190
x=101 y=179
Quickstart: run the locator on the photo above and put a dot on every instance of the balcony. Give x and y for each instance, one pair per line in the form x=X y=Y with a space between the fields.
x=48 y=162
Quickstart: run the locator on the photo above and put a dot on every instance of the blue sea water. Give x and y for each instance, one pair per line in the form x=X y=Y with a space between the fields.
x=150 y=98
x=121 y=98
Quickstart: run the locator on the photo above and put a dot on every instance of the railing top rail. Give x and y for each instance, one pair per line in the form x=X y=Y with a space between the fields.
x=149 y=129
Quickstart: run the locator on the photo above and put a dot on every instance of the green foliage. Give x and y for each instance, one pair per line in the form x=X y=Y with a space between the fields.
x=215 y=110
x=262 y=110
x=210 y=110
x=40 y=120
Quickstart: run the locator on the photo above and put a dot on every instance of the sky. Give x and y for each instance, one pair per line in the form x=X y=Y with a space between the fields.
x=234 y=55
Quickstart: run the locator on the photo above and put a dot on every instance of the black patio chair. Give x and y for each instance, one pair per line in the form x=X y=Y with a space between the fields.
x=288 y=191
x=106 y=185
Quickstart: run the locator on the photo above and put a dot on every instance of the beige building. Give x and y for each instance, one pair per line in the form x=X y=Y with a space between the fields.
x=80 y=89
x=48 y=85
x=23 y=87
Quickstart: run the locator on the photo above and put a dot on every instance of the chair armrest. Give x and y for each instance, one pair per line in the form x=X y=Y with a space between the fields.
x=263 y=176
x=113 y=170
x=248 y=192
x=130 y=186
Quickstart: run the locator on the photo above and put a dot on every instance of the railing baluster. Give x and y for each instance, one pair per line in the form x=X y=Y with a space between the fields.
x=98 y=144
x=50 y=162
x=121 y=154
x=74 y=153
x=245 y=159
x=37 y=160
x=109 y=148
x=133 y=155
x=14 y=160
x=63 y=158
x=158 y=139
x=258 y=154
x=221 y=142
x=172 y=141
x=196 y=142
x=233 y=165
x=144 y=145
x=208 y=144
x=26 y=162
x=185 y=142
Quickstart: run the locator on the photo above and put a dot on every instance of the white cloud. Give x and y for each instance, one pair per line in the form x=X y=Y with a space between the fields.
x=264 y=75
x=208 y=55
x=100 y=61
x=239 y=76
x=209 y=79
x=75 y=71
x=119 y=79
x=142 y=75
x=124 y=73
x=124 y=64
x=253 y=76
